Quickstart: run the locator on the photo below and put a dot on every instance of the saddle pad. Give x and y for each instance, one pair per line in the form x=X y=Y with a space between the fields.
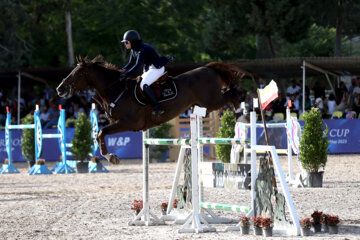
x=164 y=91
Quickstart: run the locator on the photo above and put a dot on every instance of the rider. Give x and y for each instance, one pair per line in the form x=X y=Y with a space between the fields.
x=143 y=53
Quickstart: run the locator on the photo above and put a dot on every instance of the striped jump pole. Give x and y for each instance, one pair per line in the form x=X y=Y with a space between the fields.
x=63 y=166
x=95 y=167
x=36 y=168
x=10 y=167
x=225 y=207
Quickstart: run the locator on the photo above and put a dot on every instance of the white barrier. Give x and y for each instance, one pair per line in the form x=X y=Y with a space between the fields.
x=196 y=221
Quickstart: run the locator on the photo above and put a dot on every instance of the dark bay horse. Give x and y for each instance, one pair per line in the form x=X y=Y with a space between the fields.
x=211 y=86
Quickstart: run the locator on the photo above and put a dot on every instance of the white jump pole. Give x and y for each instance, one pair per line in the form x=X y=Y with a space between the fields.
x=144 y=216
x=194 y=219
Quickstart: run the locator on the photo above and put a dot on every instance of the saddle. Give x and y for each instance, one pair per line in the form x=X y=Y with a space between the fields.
x=164 y=88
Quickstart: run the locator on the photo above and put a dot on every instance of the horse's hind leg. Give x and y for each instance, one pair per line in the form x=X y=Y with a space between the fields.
x=109 y=129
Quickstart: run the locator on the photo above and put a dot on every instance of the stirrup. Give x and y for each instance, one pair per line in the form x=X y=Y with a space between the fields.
x=157 y=111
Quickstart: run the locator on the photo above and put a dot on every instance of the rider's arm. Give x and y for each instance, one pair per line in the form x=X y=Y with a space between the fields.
x=129 y=64
x=139 y=62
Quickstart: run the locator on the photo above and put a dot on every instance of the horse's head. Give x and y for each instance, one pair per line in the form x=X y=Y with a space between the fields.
x=76 y=80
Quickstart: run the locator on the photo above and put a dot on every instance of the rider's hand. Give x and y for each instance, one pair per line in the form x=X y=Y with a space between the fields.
x=122 y=77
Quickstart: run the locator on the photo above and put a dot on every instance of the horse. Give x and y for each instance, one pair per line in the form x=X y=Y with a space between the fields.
x=211 y=86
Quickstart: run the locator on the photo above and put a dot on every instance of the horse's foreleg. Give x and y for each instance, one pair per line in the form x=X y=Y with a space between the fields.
x=109 y=129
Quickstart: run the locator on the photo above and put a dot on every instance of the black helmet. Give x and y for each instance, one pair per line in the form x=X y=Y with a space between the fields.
x=131 y=36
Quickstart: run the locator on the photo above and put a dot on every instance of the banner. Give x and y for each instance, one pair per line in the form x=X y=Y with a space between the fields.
x=125 y=145
x=343 y=136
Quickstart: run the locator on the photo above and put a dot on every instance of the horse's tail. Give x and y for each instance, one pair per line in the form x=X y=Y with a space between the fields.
x=228 y=73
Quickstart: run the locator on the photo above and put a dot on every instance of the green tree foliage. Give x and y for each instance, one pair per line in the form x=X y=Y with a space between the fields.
x=32 y=33
x=320 y=42
x=28 y=140
x=314 y=143
x=226 y=130
x=82 y=141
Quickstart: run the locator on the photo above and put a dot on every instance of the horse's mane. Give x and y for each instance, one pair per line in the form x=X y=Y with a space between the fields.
x=99 y=60
x=227 y=72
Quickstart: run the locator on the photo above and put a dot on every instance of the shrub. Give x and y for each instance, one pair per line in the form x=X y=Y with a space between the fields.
x=226 y=130
x=314 y=143
x=28 y=140
x=82 y=141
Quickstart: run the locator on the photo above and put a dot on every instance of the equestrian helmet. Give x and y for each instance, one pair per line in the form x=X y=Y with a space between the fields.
x=131 y=36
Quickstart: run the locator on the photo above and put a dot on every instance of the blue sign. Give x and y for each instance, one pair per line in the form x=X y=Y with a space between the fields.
x=343 y=136
x=126 y=145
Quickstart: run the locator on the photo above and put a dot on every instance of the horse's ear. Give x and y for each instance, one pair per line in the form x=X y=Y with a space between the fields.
x=80 y=58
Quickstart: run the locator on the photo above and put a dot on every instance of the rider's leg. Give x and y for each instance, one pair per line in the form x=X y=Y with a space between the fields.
x=147 y=79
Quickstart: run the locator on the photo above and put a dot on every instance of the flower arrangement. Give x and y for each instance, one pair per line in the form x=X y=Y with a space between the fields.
x=245 y=221
x=164 y=206
x=40 y=161
x=95 y=159
x=266 y=223
x=175 y=203
x=333 y=220
x=305 y=222
x=138 y=205
x=257 y=221
x=324 y=219
x=317 y=217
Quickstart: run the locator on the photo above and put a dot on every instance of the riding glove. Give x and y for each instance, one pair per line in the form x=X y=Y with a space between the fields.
x=122 y=77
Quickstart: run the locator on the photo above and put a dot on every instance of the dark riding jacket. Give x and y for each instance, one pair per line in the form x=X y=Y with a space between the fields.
x=144 y=54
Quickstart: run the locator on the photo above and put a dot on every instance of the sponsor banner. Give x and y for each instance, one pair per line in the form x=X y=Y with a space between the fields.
x=343 y=136
x=125 y=145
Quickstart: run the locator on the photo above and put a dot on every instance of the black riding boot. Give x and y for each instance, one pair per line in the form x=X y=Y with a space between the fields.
x=157 y=108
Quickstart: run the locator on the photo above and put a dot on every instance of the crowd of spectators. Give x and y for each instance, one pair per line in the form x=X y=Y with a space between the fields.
x=342 y=99
x=345 y=100
x=48 y=102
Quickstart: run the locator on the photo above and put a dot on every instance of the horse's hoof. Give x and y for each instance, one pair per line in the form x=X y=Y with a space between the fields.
x=114 y=159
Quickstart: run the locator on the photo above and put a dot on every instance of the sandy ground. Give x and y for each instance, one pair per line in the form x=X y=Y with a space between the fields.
x=97 y=206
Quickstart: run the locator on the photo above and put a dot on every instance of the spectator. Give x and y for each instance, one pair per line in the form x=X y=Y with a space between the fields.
x=331 y=104
x=78 y=110
x=44 y=115
x=356 y=103
x=340 y=91
x=293 y=91
x=319 y=89
x=54 y=114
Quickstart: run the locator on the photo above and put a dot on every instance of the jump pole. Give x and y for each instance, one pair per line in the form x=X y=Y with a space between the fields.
x=10 y=167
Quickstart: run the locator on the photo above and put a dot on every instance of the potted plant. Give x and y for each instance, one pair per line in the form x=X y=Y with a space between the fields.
x=228 y=121
x=163 y=208
x=81 y=144
x=159 y=152
x=332 y=222
x=314 y=147
x=324 y=222
x=244 y=225
x=305 y=224
x=267 y=226
x=175 y=203
x=257 y=225
x=317 y=219
x=28 y=141
x=137 y=206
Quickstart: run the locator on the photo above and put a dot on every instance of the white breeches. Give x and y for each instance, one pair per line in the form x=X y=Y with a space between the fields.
x=151 y=75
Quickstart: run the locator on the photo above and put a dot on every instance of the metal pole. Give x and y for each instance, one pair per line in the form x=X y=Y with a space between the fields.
x=19 y=96
x=303 y=67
